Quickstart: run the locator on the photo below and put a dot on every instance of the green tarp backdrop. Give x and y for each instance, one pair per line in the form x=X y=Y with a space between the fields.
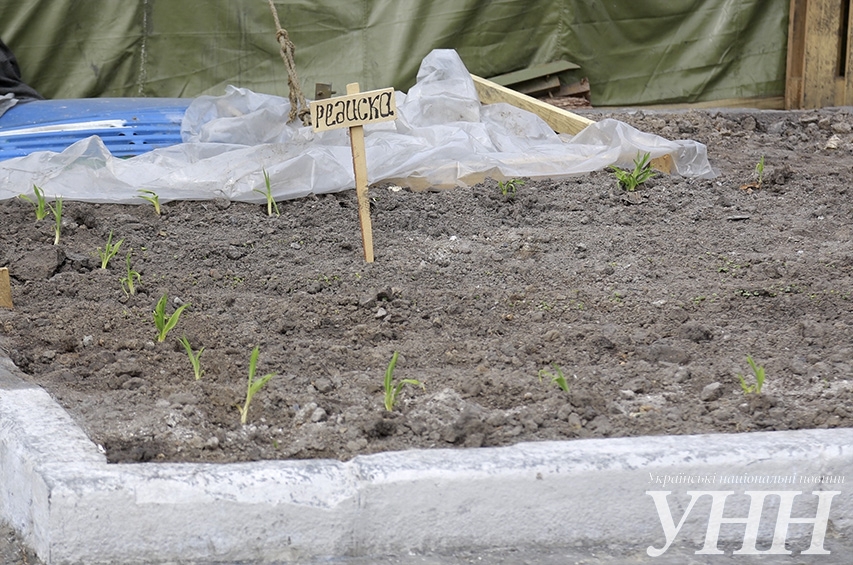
x=633 y=52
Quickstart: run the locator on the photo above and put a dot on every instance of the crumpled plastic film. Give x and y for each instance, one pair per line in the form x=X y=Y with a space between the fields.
x=442 y=138
x=7 y=101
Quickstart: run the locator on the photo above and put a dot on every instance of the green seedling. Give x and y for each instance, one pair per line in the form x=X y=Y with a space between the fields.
x=109 y=251
x=165 y=325
x=271 y=204
x=556 y=377
x=151 y=197
x=40 y=203
x=56 y=208
x=758 y=373
x=128 y=281
x=392 y=390
x=194 y=357
x=254 y=385
x=630 y=180
x=759 y=171
x=510 y=187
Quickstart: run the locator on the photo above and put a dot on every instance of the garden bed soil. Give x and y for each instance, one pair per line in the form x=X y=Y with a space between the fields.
x=649 y=304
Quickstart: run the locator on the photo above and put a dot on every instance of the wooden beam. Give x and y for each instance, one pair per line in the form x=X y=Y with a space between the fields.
x=820 y=66
x=763 y=103
x=561 y=121
x=5 y=289
x=531 y=73
x=847 y=58
x=574 y=89
x=796 y=55
x=538 y=86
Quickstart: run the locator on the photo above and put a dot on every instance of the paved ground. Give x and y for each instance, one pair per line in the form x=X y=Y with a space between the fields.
x=13 y=552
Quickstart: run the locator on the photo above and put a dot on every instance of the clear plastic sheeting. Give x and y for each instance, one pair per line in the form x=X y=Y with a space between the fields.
x=443 y=138
x=7 y=101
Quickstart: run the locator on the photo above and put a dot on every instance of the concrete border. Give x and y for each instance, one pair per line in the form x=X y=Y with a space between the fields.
x=72 y=507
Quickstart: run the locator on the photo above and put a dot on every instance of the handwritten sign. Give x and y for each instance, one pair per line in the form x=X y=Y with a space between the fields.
x=354 y=110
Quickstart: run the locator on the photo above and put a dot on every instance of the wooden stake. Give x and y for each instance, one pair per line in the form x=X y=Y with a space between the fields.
x=353 y=111
x=5 y=289
x=359 y=165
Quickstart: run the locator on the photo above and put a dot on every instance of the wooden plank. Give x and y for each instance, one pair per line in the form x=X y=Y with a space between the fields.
x=840 y=91
x=561 y=121
x=5 y=289
x=534 y=72
x=323 y=91
x=763 y=103
x=796 y=54
x=574 y=89
x=820 y=63
x=847 y=99
x=538 y=86
x=663 y=164
x=359 y=165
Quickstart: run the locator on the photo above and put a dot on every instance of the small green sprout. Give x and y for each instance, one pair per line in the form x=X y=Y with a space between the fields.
x=165 y=325
x=151 y=197
x=57 y=215
x=254 y=385
x=559 y=379
x=392 y=390
x=109 y=251
x=127 y=281
x=39 y=203
x=758 y=373
x=194 y=357
x=271 y=204
x=642 y=172
x=510 y=187
x=759 y=171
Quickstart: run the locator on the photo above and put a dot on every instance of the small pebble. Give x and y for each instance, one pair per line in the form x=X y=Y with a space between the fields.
x=318 y=415
x=713 y=391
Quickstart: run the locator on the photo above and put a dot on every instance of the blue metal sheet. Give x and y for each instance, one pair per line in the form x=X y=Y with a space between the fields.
x=128 y=126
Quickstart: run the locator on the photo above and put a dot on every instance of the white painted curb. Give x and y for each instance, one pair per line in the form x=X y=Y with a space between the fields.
x=74 y=508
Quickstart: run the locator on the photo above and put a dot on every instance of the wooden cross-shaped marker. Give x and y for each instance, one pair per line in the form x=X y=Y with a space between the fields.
x=353 y=111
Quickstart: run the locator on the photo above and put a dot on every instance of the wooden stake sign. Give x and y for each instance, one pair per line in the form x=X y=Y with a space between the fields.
x=5 y=289
x=353 y=111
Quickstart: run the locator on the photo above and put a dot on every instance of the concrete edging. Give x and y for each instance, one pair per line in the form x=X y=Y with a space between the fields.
x=72 y=507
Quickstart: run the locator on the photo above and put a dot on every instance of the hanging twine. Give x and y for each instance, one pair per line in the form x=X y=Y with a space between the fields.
x=298 y=106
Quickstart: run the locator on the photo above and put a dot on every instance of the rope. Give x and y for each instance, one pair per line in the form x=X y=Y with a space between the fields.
x=298 y=106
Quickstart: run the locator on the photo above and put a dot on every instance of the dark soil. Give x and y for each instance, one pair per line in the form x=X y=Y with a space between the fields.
x=650 y=305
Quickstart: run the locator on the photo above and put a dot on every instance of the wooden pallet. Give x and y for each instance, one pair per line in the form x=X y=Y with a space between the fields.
x=820 y=54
